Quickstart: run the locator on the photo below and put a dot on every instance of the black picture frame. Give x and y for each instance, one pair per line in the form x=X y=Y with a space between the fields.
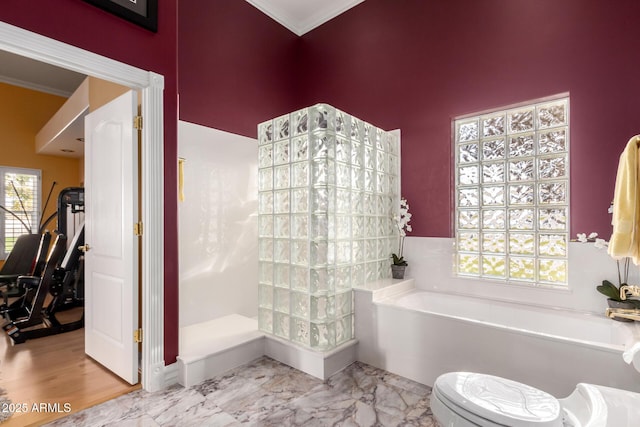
x=143 y=13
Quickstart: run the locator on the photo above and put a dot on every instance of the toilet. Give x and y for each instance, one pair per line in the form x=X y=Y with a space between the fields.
x=472 y=399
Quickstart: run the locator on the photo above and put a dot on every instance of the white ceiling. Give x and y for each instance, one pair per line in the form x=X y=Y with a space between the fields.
x=302 y=16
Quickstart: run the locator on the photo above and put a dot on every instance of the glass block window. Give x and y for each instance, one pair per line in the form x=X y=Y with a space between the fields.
x=20 y=202
x=512 y=194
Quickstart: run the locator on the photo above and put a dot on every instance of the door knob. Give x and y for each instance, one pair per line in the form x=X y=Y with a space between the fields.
x=84 y=248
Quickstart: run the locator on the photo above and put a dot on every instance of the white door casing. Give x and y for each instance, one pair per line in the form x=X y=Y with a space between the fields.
x=31 y=45
x=111 y=257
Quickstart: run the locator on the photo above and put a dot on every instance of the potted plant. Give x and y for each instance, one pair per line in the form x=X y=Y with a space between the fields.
x=402 y=223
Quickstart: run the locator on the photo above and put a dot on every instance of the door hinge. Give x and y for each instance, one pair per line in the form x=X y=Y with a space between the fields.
x=137 y=228
x=137 y=335
x=137 y=122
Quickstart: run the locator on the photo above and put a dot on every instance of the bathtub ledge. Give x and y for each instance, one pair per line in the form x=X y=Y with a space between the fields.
x=381 y=290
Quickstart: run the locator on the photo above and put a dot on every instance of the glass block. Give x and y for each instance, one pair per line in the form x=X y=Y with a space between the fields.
x=319 y=226
x=343 y=278
x=357 y=275
x=323 y=146
x=492 y=150
x=265 y=320
x=493 y=125
x=300 y=305
x=468 y=153
x=382 y=161
x=369 y=202
x=382 y=183
x=265 y=156
x=323 y=335
x=468 y=219
x=320 y=200
x=522 y=268
x=281 y=226
x=493 y=172
x=552 y=114
x=494 y=242
x=468 y=242
x=321 y=117
x=300 y=200
x=553 y=271
x=493 y=196
x=265 y=225
x=552 y=142
x=322 y=307
x=552 y=167
x=343 y=226
x=300 y=151
x=343 y=123
x=344 y=304
x=369 y=135
x=281 y=177
x=521 y=146
x=521 y=244
x=393 y=165
x=281 y=201
x=552 y=219
x=394 y=144
x=265 y=296
x=357 y=179
x=369 y=180
x=357 y=154
x=343 y=252
x=265 y=132
x=520 y=121
x=281 y=325
x=300 y=122
x=343 y=175
x=281 y=275
x=493 y=266
x=468 y=197
x=265 y=272
x=468 y=131
x=281 y=250
x=358 y=227
x=344 y=329
x=468 y=175
x=343 y=150
x=300 y=279
x=369 y=157
x=322 y=173
x=371 y=272
x=300 y=174
x=281 y=128
x=493 y=219
x=265 y=250
x=357 y=129
x=322 y=280
x=553 y=245
x=468 y=264
x=281 y=300
x=265 y=179
x=521 y=194
x=521 y=219
x=357 y=251
x=370 y=249
x=281 y=152
x=318 y=253
x=380 y=140
x=300 y=331
x=300 y=252
x=521 y=170
x=552 y=192
x=265 y=202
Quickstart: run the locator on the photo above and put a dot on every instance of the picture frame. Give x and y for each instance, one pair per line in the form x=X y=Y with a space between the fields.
x=140 y=12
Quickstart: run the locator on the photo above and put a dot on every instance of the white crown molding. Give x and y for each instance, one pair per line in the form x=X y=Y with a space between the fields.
x=312 y=21
x=34 y=86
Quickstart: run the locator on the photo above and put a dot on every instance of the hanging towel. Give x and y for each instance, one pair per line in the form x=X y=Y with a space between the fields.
x=626 y=212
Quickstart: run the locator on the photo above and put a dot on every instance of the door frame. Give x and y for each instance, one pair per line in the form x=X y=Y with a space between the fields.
x=31 y=45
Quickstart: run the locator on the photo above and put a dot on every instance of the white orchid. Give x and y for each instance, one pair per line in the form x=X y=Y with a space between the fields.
x=592 y=237
x=600 y=243
x=402 y=223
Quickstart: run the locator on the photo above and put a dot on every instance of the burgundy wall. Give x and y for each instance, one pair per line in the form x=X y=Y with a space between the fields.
x=81 y=24
x=416 y=64
x=236 y=65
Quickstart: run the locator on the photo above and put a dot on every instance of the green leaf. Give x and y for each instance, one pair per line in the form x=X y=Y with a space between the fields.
x=610 y=290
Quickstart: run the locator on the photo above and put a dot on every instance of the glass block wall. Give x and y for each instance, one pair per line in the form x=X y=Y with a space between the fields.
x=327 y=185
x=512 y=198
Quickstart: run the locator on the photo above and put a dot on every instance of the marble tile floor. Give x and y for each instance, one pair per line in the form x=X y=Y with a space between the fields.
x=268 y=393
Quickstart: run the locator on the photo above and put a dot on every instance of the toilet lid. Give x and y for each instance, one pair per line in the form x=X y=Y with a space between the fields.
x=499 y=400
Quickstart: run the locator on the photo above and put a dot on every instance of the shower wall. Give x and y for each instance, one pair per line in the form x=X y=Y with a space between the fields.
x=327 y=186
x=218 y=235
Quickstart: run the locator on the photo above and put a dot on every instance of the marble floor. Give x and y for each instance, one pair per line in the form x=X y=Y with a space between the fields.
x=268 y=393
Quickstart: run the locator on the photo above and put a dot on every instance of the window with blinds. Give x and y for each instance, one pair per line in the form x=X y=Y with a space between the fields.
x=20 y=196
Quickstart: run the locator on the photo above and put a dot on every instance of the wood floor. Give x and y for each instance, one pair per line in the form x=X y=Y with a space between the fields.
x=53 y=370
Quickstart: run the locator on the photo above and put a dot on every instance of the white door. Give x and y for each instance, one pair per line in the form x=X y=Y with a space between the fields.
x=111 y=257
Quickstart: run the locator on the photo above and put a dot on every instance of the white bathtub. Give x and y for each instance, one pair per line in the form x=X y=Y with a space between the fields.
x=420 y=335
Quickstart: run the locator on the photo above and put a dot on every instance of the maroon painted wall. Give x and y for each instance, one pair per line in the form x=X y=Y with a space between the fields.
x=416 y=64
x=81 y=24
x=236 y=65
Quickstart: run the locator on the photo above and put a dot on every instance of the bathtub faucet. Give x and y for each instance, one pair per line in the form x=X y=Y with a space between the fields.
x=634 y=290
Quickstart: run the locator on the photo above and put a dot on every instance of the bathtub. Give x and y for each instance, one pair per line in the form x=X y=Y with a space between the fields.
x=420 y=335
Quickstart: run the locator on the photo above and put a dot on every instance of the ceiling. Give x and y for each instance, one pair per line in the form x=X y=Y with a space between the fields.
x=302 y=16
